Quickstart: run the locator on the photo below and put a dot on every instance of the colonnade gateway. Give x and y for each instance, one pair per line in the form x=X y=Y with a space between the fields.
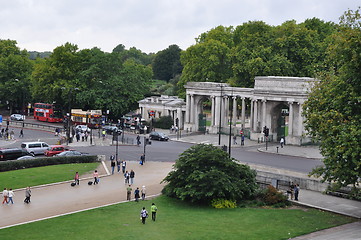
x=274 y=102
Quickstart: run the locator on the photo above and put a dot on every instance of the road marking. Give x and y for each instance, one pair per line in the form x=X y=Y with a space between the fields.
x=105 y=167
x=78 y=211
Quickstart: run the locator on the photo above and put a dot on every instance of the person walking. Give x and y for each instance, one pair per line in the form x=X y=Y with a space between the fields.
x=282 y=141
x=138 y=140
x=21 y=135
x=5 y=195
x=126 y=178
x=235 y=140
x=96 y=177
x=11 y=195
x=124 y=165
x=136 y=194
x=76 y=178
x=129 y=192
x=154 y=210
x=27 y=195
x=142 y=159
x=118 y=165
x=143 y=191
x=112 y=164
x=131 y=176
x=242 y=140
x=297 y=191
x=143 y=215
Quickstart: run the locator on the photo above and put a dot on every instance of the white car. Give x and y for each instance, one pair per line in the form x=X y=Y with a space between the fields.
x=17 y=117
x=82 y=128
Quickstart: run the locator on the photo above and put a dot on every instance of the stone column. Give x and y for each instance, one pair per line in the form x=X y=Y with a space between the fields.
x=290 y=119
x=191 y=110
x=251 y=117
x=255 y=115
x=213 y=111
x=179 y=116
x=217 y=107
x=188 y=103
x=243 y=115
x=234 y=111
x=226 y=115
x=264 y=122
x=300 y=119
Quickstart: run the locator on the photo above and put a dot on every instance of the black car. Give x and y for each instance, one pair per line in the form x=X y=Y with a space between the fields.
x=12 y=153
x=111 y=129
x=158 y=136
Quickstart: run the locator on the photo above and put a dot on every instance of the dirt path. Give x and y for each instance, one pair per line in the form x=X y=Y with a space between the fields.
x=62 y=198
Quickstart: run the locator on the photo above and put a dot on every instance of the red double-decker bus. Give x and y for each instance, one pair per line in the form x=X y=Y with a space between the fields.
x=47 y=112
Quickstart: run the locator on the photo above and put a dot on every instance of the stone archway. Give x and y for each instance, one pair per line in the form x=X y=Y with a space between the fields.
x=202 y=112
x=279 y=121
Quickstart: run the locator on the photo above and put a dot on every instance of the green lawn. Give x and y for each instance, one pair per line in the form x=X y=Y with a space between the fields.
x=177 y=220
x=43 y=175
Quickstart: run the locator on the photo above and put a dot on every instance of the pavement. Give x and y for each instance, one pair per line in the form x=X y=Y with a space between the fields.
x=153 y=172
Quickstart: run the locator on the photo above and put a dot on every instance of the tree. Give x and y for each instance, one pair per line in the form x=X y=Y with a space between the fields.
x=205 y=172
x=333 y=109
x=166 y=63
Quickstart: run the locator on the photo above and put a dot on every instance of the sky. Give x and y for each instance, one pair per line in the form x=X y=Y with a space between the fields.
x=148 y=25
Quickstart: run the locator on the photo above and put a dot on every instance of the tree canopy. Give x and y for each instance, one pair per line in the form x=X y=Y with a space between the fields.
x=333 y=109
x=204 y=172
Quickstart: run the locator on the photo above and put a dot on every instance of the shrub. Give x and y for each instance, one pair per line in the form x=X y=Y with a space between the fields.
x=272 y=196
x=39 y=162
x=164 y=122
x=223 y=203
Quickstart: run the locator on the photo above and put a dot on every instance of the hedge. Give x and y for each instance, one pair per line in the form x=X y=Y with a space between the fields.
x=45 y=161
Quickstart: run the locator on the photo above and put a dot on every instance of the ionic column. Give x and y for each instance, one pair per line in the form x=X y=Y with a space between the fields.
x=300 y=119
x=188 y=103
x=226 y=115
x=243 y=114
x=213 y=111
x=191 y=120
x=252 y=116
x=234 y=112
x=255 y=116
x=217 y=108
x=264 y=113
x=290 y=119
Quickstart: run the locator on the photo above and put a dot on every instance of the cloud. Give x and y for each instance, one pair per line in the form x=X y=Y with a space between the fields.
x=150 y=26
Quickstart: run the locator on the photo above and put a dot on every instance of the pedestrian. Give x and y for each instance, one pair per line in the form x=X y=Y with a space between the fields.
x=282 y=142
x=136 y=194
x=126 y=178
x=76 y=178
x=242 y=140
x=129 y=192
x=142 y=159
x=143 y=191
x=143 y=215
x=27 y=195
x=234 y=139
x=297 y=191
x=86 y=134
x=138 y=140
x=5 y=195
x=103 y=134
x=118 y=165
x=11 y=194
x=82 y=134
x=12 y=133
x=131 y=176
x=112 y=163
x=154 y=210
x=124 y=164
x=96 y=177
x=21 y=135
x=77 y=136
x=292 y=190
x=56 y=132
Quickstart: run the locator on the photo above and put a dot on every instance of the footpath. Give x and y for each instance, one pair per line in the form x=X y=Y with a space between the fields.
x=153 y=172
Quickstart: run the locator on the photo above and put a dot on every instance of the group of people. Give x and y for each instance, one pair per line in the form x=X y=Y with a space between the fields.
x=144 y=213
x=118 y=163
x=83 y=135
x=10 y=135
x=293 y=191
x=235 y=140
x=9 y=194
x=137 y=193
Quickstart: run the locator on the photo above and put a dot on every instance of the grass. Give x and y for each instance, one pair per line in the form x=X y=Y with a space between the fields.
x=178 y=220
x=43 y=175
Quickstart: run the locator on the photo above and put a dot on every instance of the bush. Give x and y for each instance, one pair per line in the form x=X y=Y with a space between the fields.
x=39 y=162
x=271 y=196
x=223 y=203
x=205 y=172
x=164 y=122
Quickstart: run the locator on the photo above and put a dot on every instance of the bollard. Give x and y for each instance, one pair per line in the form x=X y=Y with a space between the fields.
x=258 y=140
x=277 y=149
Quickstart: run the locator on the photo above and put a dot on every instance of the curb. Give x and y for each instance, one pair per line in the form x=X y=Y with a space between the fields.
x=285 y=154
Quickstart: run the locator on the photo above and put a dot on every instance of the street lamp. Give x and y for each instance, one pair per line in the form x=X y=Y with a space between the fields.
x=220 y=116
x=230 y=128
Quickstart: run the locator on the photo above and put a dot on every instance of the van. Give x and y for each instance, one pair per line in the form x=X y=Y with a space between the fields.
x=12 y=153
x=35 y=148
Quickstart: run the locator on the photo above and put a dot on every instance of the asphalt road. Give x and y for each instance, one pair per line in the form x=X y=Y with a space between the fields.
x=169 y=152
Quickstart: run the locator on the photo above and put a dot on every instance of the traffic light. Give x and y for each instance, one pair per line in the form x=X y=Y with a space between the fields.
x=266 y=131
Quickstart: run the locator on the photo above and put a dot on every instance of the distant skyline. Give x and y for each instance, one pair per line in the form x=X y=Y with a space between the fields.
x=151 y=26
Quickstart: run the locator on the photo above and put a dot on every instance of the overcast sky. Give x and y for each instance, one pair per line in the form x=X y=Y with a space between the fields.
x=149 y=25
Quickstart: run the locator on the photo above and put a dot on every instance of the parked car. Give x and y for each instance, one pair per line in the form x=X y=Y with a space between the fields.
x=25 y=157
x=111 y=129
x=158 y=136
x=35 y=148
x=69 y=153
x=55 y=149
x=17 y=117
x=82 y=128
x=12 y=153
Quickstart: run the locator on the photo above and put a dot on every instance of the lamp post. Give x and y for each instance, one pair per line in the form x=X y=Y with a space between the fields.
x=220 y=116
x=230 y=128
